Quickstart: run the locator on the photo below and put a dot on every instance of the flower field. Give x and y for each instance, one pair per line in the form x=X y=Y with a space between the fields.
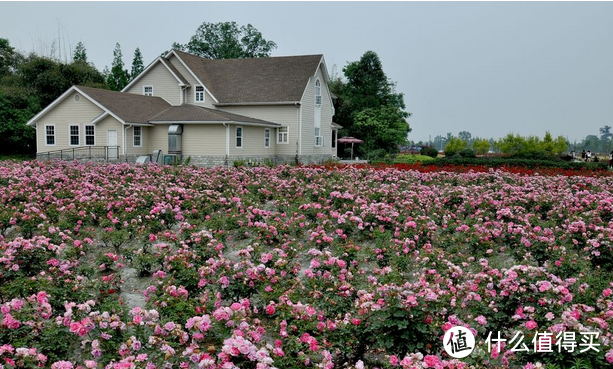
x=121 y=266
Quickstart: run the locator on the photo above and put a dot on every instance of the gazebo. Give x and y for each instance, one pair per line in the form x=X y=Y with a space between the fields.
x=352 y=141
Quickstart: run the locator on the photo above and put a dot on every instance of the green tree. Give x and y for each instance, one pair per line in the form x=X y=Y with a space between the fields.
x=118 y=77
x=454 y=146
x=227 y=40
x=560 y=145
x=137 y=64
x=465 y=136
x=29 y=84
x=80 y=53
x=481 y=146
x=367 y=87
x=382 y=129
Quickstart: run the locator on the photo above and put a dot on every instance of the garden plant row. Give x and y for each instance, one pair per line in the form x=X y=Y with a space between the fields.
x=123 y=266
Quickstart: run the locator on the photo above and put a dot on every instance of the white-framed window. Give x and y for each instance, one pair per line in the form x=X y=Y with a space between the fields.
x=90 y=135
x=138 y=136
x=73 y=131
x=199 y=94
x=317 y=93
x=267 y=138
x=319 y=140
x=283 y=135
x=148 y=90
x=239 y=137
x=50 y=134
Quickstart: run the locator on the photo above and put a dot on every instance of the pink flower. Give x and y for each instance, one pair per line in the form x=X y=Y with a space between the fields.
x=607 y=292
x=432 y=361
x=531 y=324
x=481 y=320
x=270 y=309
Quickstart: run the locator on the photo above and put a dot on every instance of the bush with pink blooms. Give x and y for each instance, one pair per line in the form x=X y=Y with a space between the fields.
x=122 y=266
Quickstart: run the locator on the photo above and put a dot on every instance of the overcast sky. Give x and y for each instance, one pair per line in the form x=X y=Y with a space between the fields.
x=487 y=68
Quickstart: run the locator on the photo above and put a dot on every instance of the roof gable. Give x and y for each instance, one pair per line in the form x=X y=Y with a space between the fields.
x=129 y=108
x=256 y=80
x=181 y=81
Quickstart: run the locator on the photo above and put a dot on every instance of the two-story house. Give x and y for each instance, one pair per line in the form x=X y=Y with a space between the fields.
x=214 y=111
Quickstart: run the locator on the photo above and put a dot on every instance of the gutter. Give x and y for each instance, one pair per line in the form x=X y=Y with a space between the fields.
x=258 y=103
x=125 y=149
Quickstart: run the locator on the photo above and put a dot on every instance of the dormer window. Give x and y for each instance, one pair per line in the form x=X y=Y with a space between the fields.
x=199 y=94
x=148 y=90
x=317 y=93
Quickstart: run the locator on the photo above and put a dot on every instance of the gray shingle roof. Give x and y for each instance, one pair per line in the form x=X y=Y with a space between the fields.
x=190 y=113
x=257 y=80
x=131 y=108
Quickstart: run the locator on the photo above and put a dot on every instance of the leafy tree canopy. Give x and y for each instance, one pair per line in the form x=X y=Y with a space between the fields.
x=80 y=53
x=226 y=40
x=368 y=96
x=118 y=78
x=27 y=84
x=138 y=66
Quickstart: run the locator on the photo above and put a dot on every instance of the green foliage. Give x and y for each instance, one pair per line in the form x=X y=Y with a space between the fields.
x=532 y=145
x=411 y=159
x=226 y=40
x=520 y=162
x=481 y=146
x=368 y=107
x=429 y=151
x=80 y=53
x=454 y=146
x=239 y=163
x=138 y=66
x=467 y=153
x=27 y=84
x=381 y=128
x=118 y=77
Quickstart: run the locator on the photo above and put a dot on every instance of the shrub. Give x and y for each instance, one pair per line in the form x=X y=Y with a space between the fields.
x=429 y=151
x=467 y=153
x=454 y=146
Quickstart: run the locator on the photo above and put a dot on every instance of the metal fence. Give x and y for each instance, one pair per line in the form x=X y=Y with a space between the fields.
x=98 y=153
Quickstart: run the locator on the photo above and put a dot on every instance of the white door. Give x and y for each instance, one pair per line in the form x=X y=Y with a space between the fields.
x=112 y=150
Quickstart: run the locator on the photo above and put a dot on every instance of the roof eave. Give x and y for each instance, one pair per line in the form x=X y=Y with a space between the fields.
x=212 y=122
x=253 y=103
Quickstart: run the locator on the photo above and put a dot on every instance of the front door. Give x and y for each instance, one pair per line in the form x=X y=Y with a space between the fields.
x=112 y=150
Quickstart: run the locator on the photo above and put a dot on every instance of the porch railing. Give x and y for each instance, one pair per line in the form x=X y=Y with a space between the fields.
x=106 y=153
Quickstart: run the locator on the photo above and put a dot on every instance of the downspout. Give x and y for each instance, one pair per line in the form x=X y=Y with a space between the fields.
x=125 y=142
x=227 y=143
x=299 y=106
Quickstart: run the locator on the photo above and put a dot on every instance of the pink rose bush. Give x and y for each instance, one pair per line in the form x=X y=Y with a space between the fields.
x=122 y=266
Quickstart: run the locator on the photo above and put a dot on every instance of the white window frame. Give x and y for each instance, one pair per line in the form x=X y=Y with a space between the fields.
x=198 y=94
x=140 y=136
x=48 y=135
x=145 y=90
x=70 y=135
x=92 y=135
x=317 y=93
x=319 y=140
x=267 y=138
x=333 y=138
x=283 y=134
x=237 y=137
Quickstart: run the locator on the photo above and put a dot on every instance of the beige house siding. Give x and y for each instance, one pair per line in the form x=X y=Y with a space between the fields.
x=67 y=112
x=189 y=93
x=308 y=117
x=164 y=84
x=203 y=139
x=253 y=142
x=137 y=150
x=286 y=115
x=157 y=138
x=107 y=124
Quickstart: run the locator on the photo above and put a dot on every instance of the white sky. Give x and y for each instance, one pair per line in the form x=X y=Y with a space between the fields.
x=489 y=68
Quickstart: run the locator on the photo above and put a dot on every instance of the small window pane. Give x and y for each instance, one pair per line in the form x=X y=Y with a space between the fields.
x=50 y=134
x=239 y=137
x=148 y=90
x=137 y=136
x=199 y=93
